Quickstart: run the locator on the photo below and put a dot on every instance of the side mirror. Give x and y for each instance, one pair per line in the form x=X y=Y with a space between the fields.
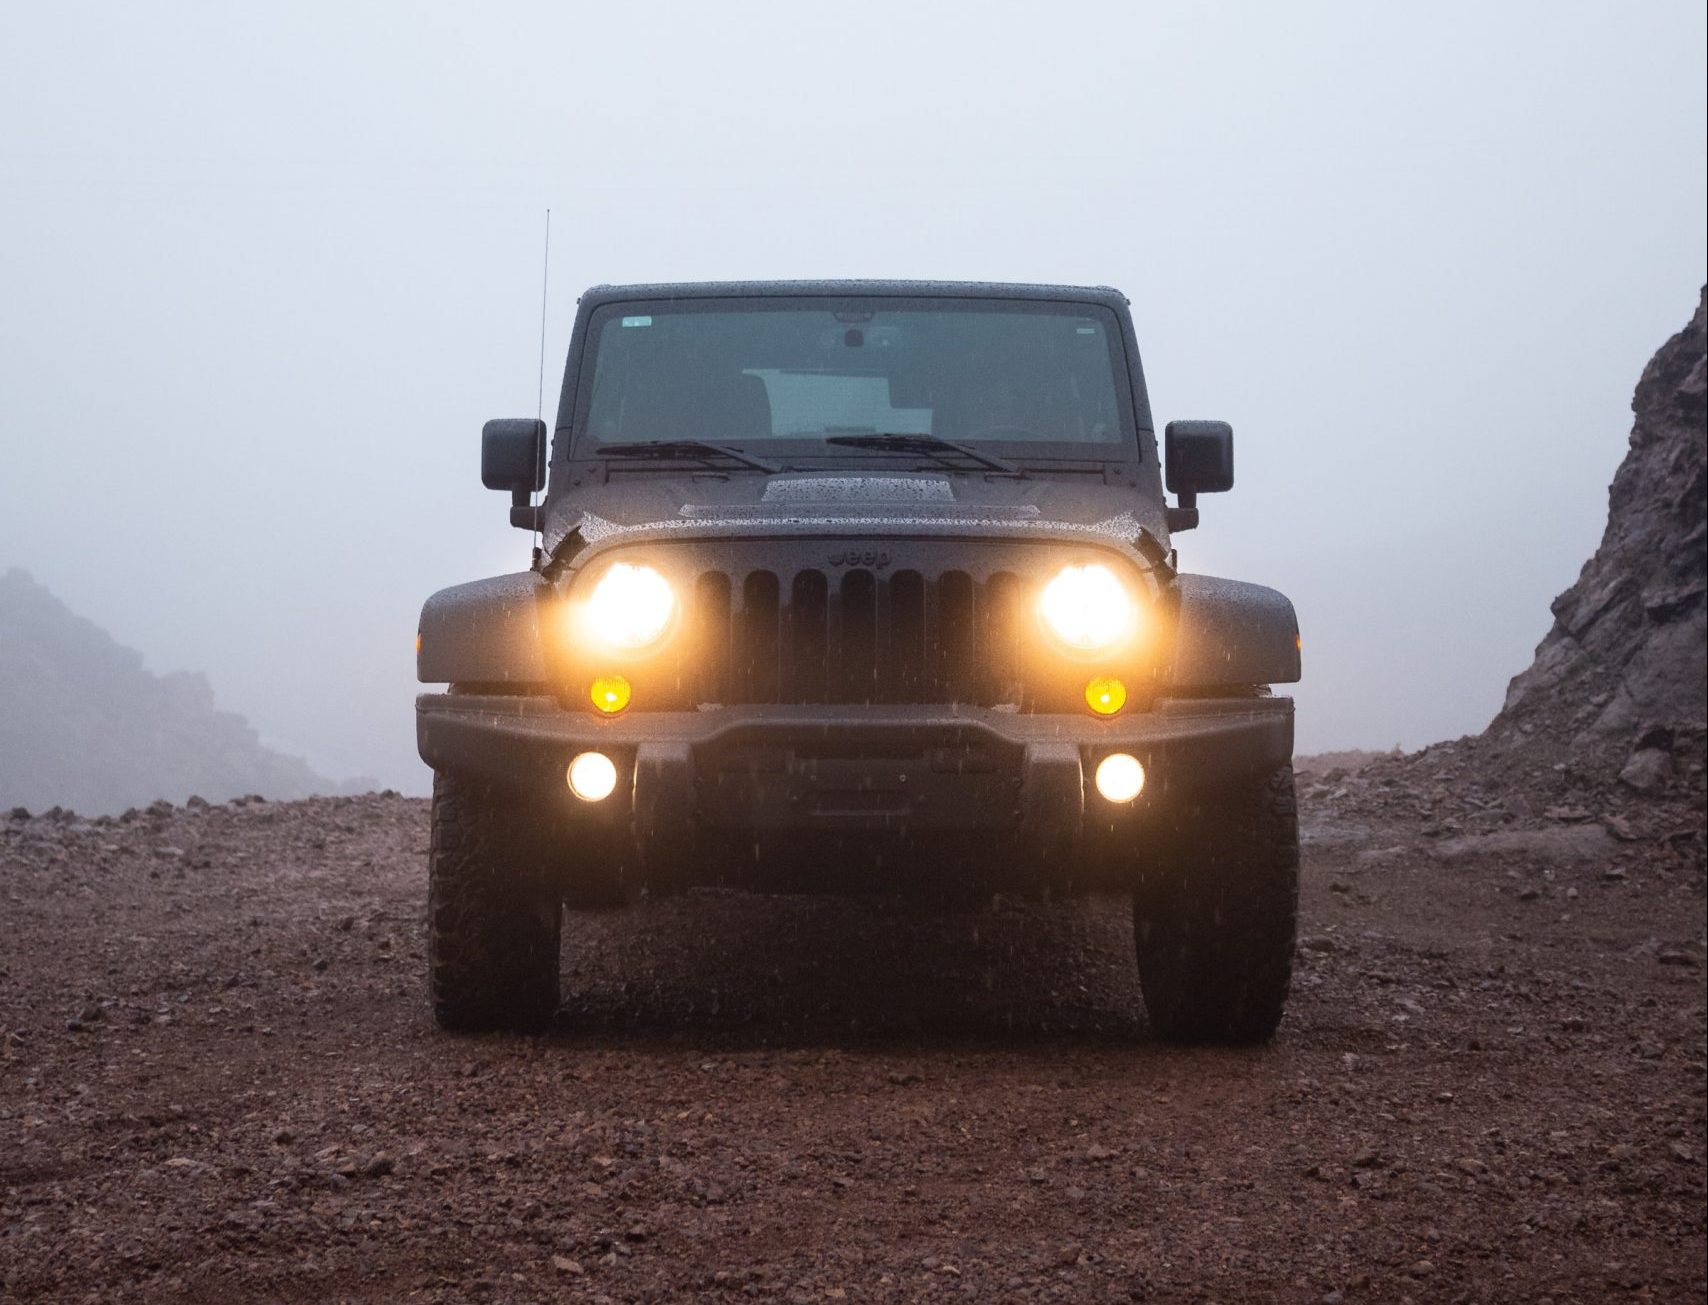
x=1200 y=460
x=513 y=457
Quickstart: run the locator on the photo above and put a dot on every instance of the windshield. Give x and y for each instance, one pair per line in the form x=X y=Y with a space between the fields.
x=740 y=371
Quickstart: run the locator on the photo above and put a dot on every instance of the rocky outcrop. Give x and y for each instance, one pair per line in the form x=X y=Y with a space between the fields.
x=1618 y=682
x=83 y=725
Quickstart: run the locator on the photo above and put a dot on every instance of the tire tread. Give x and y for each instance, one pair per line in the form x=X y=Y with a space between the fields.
x=1216 y=915
x=493 y=923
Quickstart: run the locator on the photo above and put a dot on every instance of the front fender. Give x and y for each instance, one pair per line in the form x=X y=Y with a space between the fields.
x=1230 y=634
x=486 y=632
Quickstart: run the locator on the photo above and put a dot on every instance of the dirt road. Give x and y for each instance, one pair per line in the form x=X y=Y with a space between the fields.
x=218 y=1081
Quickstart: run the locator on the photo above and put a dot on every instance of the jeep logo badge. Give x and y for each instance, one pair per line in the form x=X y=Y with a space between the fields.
x=875 y=558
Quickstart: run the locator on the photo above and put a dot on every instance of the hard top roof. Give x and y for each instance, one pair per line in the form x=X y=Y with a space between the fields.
x=1100 y=294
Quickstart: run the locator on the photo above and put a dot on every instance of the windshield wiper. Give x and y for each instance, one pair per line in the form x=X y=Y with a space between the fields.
x=932 y=445
x=685 y=449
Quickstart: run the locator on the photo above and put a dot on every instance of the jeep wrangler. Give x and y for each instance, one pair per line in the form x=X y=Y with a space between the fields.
x=860 y=587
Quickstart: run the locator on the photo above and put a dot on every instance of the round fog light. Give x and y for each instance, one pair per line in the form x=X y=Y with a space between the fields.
x=1105 y=695
x=1120 y=777
x=610 y=693
x=592 y=777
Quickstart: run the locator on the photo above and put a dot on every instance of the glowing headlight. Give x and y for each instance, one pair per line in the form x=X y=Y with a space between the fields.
x=630 y=608
x=1087 y=608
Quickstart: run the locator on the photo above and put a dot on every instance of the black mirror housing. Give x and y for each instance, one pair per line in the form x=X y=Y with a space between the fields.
x=513 y=457
x=1200 y=460
x=513 y=454
x=1200 y=456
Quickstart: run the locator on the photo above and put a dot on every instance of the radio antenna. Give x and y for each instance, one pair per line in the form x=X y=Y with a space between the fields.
x=545 y=286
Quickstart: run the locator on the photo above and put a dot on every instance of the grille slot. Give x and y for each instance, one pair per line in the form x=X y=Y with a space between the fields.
x=856 y=637
x=755 y=649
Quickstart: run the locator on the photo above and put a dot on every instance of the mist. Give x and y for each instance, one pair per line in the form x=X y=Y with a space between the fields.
x=262 y=277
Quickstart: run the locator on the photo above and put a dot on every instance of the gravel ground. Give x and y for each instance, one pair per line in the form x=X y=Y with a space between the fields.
x=219 y=1081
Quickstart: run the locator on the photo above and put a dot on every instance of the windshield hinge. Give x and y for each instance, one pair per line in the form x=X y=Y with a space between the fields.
x=1162 y=559
x=1119 y=473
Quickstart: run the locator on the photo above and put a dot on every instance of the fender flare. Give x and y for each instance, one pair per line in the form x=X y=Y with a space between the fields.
x=485 y=632
x=1230 y=634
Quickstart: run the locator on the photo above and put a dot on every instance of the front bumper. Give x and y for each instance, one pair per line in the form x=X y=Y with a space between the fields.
x=851 y=770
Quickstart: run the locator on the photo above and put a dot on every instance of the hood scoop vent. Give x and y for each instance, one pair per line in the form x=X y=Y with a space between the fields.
x=874 y=513
x=826 y=491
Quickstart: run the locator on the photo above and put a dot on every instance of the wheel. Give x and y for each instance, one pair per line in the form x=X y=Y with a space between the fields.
x=1216 y=912
x=493 y=915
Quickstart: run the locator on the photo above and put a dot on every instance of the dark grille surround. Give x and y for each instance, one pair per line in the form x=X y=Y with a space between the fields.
x=855 y=637
x=921 y=622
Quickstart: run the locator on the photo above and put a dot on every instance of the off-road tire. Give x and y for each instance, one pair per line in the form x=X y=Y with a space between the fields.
x=493 y=917
x=1216 y=911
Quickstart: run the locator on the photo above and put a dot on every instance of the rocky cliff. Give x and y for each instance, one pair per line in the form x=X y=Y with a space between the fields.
x=83 y=725
x=1618 y=682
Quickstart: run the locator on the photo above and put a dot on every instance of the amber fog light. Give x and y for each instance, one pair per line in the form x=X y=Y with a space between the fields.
x=610 y=693
x=1120 y=777
x=1106 y=695
x=592 y=777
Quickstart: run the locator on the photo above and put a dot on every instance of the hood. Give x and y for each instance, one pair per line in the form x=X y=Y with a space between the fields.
x=845 y=502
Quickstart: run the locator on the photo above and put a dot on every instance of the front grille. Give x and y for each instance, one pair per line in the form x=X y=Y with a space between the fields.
x=854 y=636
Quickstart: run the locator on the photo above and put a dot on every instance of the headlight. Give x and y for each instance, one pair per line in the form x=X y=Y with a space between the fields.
x=630 y=609
x=1088 y=609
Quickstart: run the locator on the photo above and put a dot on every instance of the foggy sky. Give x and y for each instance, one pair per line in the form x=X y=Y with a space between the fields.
x=262 y=277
